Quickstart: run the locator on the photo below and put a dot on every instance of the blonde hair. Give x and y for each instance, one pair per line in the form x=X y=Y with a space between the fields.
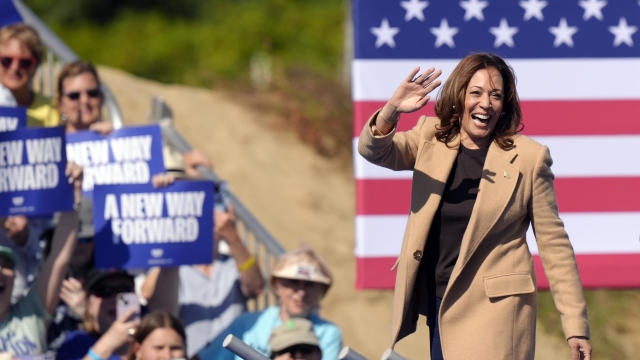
x=26 y=35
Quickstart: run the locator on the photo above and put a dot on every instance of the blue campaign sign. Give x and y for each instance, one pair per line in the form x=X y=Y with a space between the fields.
x=8 y=13
x=138 y=226
x=12 y=118
x=130 y=155
x=32 y=166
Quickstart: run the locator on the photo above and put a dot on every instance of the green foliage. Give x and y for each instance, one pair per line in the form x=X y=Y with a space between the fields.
x=199 y=42
x=212 y=43
x=614 y=320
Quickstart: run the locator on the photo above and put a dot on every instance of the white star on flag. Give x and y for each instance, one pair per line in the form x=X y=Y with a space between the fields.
x=503 y=33
x=415 y=9
x=533 y=8
x=563 y=33
x=444 y=34
x=592 y=8
x=473 y=9
x=623 y=32
x=384 y=34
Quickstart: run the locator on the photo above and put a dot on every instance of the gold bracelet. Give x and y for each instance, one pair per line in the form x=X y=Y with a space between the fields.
x=247 y=264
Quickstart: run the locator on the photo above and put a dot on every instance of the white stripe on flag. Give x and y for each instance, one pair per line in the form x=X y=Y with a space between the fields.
x=540 y=79
x=590 y=233
x=573 y=156
x=379 y=235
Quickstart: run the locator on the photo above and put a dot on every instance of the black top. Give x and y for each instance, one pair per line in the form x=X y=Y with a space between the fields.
x=452 y=217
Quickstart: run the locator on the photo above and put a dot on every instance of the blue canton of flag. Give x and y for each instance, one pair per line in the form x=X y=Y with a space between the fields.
x=513 y=29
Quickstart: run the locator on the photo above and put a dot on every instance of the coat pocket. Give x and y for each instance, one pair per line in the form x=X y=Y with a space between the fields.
x=508 y=284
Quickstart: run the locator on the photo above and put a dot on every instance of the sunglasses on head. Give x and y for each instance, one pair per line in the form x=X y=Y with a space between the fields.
x=75 y=95
x=24 y=62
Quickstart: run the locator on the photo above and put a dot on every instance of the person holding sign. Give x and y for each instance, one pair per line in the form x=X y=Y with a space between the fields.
x=80 y=98
x=21 y=53
x=231 y=279
x=23 y=325
x=477 y=187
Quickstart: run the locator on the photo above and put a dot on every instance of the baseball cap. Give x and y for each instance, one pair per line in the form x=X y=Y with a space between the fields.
x=94 y=283
x=8 y=253
x=303 y=264
x=295 y=331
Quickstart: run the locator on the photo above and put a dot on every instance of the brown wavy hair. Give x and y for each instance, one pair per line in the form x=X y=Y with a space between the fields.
x=152 y=321
x=450 y=105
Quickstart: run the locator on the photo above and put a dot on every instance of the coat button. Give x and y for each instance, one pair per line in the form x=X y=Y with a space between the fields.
x=417 y=255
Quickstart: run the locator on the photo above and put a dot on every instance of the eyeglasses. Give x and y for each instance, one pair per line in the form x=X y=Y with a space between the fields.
x=75 y=95
x=24 y=62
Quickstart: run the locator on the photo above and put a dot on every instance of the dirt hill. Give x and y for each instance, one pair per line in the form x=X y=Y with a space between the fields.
x=298 y=195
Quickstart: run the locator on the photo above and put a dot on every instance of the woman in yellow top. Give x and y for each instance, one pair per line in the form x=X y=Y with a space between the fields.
x=21 y=52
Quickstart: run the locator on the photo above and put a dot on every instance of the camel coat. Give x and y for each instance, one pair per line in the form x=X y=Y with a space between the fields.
x=488 y=310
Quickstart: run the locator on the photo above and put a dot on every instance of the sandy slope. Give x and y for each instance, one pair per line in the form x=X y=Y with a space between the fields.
x=299 y=196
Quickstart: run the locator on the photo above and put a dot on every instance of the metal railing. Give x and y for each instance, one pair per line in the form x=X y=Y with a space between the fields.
x=264 y=246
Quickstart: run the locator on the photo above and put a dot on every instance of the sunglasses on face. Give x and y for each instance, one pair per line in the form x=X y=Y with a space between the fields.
x=75 y=95
x=302 y=349
x=24 y=62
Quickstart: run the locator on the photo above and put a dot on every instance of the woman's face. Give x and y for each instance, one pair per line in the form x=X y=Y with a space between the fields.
x=483 y=103
x=298 y=297
x=80 y=101
x=17 y=65
x=161 y=344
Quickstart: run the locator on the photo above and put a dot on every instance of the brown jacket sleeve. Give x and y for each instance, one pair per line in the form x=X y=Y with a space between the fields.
x=556 y=251
x=395 y=150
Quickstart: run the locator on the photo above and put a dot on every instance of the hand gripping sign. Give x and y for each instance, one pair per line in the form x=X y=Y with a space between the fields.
x=130 y=155
x=32 y=172
x=138 y=226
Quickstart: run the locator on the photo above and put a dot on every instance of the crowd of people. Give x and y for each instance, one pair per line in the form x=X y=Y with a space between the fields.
x=54 y=302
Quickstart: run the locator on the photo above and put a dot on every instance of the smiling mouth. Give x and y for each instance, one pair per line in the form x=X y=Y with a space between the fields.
x=481 y=120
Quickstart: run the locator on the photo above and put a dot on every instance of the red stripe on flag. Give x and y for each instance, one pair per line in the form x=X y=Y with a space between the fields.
x=549 y=117
x=383 y=197
x=605 y=194
x=596 y=271
x=375 y=273
x=362 y=111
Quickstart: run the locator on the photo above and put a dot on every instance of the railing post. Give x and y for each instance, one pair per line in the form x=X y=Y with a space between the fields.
x=348 y=353
x=241 y=349
x=391 y=355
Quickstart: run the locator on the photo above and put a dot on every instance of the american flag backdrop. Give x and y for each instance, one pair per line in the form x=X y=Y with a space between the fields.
x=578 y=69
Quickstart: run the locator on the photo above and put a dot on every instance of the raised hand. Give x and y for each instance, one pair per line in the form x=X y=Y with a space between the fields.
x=73 y=294
x=410 y=96
x=412 y=93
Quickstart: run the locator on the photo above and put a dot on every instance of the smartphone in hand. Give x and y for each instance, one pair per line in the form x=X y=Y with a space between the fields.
x=125 y=302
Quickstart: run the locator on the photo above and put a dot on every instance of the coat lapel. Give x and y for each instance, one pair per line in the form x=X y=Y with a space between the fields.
x=499 y=178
